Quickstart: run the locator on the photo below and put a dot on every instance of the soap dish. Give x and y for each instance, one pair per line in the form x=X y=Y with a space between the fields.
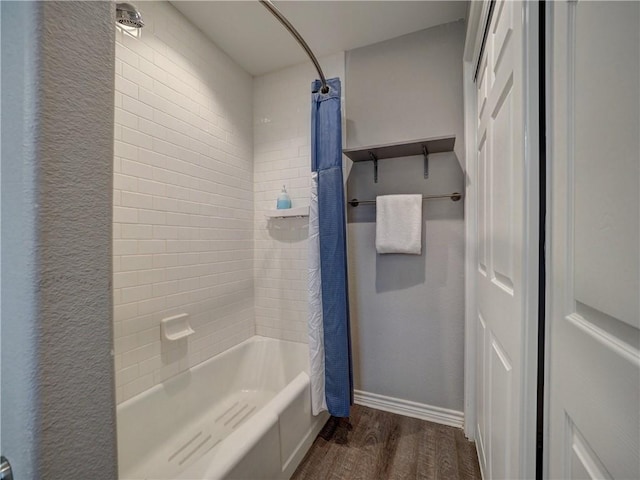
x=176 y=327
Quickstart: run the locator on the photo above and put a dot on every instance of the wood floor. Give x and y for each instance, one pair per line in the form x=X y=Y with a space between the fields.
x=380 y=445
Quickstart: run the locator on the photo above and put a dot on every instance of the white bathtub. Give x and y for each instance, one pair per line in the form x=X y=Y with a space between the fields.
x=244 y=414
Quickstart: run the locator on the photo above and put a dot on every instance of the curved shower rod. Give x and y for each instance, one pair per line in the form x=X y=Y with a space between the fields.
x=276 y=13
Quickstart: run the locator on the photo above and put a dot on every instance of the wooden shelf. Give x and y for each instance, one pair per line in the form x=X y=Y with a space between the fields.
x=295 y=212
x=401 y=149
x=425 y=147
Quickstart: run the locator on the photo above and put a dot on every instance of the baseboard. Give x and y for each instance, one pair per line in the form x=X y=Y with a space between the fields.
x=408 y=408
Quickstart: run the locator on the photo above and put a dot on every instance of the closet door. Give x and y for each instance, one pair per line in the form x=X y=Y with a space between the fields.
x=594 y=394
x=504 y=277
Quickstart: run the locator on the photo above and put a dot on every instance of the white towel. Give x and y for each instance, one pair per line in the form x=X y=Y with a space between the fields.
x=399 y=224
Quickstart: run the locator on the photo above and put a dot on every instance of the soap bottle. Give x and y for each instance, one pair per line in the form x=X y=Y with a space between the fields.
x=284 y=201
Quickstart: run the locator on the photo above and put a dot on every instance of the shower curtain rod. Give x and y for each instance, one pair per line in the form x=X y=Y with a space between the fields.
x=453 y=196
x=276 y=13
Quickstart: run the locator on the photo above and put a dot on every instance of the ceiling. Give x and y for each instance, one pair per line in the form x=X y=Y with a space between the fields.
x=249 y=34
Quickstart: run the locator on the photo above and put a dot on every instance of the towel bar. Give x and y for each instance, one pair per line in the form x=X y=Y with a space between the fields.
x=453 y=196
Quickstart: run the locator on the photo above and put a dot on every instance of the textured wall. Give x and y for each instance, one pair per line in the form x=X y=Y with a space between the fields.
x=58 y=414
x=282 y=125
x=408 y=311
x=183 y=198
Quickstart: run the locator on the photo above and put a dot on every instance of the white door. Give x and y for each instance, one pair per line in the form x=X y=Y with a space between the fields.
x=507 y=261
x=594 y=286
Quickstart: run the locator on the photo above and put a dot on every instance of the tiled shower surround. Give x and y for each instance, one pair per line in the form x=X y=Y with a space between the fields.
x=190 y=193
x=183 y=199
x=282 y=146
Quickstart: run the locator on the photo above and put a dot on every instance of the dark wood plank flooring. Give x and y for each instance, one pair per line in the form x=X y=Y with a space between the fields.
x=380 y=445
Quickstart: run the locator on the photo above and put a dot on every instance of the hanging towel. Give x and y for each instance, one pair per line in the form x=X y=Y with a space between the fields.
x=399 y=224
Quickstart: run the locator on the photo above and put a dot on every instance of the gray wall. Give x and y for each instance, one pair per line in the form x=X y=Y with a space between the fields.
x=408 y=311
x=407 y=88
x=58 y=405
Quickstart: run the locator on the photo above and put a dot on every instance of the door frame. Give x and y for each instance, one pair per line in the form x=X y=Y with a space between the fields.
x=477 y=23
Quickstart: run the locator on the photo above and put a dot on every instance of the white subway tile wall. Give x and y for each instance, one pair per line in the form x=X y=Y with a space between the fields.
x=282 y=156
x=183 y=199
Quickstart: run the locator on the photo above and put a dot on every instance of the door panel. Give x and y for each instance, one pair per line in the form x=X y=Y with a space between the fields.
x=481 y=400
x=502 y=229
x=482 y=195
x=502 y=190
x=501 y=33
x=501 y=387
x=594 y=281
x=584 y=462
x=605 y=143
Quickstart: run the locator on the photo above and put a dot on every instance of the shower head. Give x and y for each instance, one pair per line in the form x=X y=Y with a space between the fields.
x=128 y=15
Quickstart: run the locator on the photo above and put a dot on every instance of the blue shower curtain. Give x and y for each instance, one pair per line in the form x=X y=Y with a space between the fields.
x=328 y=235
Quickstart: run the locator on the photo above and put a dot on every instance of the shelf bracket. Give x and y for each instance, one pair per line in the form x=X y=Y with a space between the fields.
x=374 y=159
x=426 y=161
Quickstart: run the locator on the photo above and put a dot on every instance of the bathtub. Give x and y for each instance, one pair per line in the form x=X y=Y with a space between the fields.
x=243 y=414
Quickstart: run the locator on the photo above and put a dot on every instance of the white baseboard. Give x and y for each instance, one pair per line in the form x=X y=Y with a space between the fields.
x=408 y=408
